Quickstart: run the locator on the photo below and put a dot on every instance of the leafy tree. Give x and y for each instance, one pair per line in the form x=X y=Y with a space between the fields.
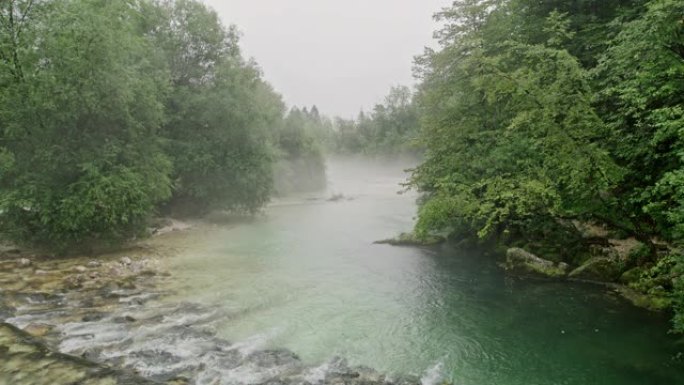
x=538 y=114
x=81 y=100
x=220 y=112
x=642 y=97
x=509 y=130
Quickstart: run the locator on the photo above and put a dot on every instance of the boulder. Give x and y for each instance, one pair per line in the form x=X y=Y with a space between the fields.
x=603 y=269
x=521 y=261
x=411 y=239
x=632 y=275
x=646 y=301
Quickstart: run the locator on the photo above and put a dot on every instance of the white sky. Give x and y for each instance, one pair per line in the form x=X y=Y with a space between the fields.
x=341 y=55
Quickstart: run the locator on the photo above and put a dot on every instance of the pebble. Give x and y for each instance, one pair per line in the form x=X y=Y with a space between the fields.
x=126 y=261
x=41 y=272
x=23 y=262
x=94 y=264
x=80 y=269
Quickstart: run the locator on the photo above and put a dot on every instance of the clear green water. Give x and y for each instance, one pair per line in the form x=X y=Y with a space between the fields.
x=307 y=277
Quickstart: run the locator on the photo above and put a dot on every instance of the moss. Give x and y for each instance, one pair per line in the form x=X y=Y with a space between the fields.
x=651 y=302
x=551 y=272
x=598 y=269
x=28 y=360
x=632 y=275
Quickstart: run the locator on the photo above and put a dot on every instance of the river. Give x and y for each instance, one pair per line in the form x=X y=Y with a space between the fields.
x=306 y=276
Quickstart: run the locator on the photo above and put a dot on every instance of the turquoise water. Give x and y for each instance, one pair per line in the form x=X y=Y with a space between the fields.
x=306 y=276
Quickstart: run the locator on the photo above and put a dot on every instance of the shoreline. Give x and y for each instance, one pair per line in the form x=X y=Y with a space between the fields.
x=104 y=321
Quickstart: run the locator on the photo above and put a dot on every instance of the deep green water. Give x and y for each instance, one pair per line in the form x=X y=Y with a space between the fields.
x=307 y=277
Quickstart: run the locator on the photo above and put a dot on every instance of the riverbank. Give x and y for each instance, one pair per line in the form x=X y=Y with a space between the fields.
x=611 y=263
x=104 y=320
x=276 y=298
x=27 y=360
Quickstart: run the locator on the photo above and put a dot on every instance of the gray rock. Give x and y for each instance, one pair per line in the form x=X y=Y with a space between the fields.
x=273 y=358
x=602 y=269
x=126 y=261
x=38 y=329
x=80 y=269
x=411 y=239
x=26 y=360
x=521 y=261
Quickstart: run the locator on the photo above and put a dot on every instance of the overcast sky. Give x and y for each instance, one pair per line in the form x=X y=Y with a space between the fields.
x=342 y=55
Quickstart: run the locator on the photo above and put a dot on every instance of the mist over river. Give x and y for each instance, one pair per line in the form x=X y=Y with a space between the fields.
x=307 y=277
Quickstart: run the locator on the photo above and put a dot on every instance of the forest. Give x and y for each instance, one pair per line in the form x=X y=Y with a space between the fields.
x=107 y=121
x=539 y=117
x=532 y=120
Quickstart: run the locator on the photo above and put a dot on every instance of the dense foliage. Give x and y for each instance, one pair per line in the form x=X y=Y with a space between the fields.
x=390 y=129
x=110 y=110
x=219 y=113
x=542 y=115
x=81 y=106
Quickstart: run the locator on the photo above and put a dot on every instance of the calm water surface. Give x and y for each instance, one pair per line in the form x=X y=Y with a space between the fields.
x=306 y=276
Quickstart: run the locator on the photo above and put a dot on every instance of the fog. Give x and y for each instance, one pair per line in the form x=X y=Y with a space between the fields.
x=339 y=55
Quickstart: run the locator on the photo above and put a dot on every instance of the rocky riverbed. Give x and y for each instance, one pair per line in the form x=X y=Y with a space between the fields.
x=101 y=321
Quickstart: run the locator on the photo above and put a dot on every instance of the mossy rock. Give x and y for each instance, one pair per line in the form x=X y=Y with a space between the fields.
x=411 y=239
x=646 y=301
x=601 y=269
x=27 y=360
x=521 y=261
x=632 y=275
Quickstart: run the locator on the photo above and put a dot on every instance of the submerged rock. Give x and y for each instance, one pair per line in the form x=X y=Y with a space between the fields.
x=93 y=264
x=26 y=360
x=24 y=262
x=38 y=329
x=603 y=269
x=274 y=358
x=411 y=239
x=521 y=261
x=336 y=197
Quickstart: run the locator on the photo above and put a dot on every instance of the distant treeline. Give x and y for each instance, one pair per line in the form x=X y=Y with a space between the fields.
x=392 y=128
x=112 y=111
x=541 y=115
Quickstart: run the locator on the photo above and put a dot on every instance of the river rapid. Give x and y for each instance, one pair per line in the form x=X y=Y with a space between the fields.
x=307 y=277
x=301 y=295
